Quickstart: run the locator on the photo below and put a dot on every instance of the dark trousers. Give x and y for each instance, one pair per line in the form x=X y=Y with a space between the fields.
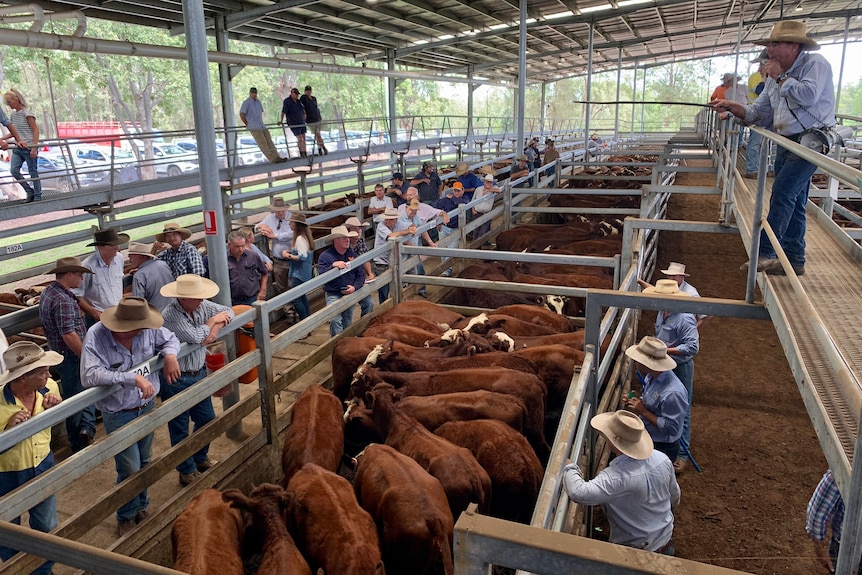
x=85 y=420
x=200 y=414
x=670 y=449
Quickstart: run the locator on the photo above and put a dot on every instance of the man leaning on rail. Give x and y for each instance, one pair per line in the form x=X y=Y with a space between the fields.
x=798 y=95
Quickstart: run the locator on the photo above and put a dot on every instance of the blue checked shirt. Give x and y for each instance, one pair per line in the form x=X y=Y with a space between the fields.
x=184 y=260
x=192 y=329
x=678 y=330
x=825 y=508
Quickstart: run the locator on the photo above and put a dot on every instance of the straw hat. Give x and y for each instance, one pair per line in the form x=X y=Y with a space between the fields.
x=489 y=177
x=342 y=232
x=487 y=169
x=675 y=269
x=297 y=217
x=139 y=249
x=174 y=227
x=390 y=214
x=626 y=432
x=461 y=169
x=130 y=314
x=22 y=357
x=354 y=222
x=413 y=204
x=190 y=286
x=108 y=237
x=651 y=352
x=279 y=205
x=522 y=158
x=790 y=31
x=70 y=264
x=665 y=287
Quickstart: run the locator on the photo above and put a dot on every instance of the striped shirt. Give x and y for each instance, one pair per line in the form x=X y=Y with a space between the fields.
x=825 y=508
x=19 y=120
x=60 y=314
x=106 y=362
x=192 y=329
x=184 y=260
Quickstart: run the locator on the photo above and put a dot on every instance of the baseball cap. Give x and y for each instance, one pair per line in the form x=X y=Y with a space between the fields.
x=397 y=176
x=253 y=89
x=307 y=88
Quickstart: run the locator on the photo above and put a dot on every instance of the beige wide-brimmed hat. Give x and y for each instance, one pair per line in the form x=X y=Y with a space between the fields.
x=652 y=353
x=489 y=177
x=626 y=432
x=190 y=286
x=413 y=204
x=22 y=357
x=140 y=249
x=522 y=158
x=391 y=214
x=70 y=264
x=353 y=221
x=790 y=31
x=108 y=237
x=342 y=232
x=461 y=169
x=279 y=205
x=297 y=217
x=675 y=269
x=174 y=227
x=487 y=169
x=130 y=314
x=666 y=287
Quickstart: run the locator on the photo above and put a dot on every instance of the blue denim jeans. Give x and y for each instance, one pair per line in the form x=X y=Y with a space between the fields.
x=84 y=420
x=300 y=304
x=342 y=320
x=752 y=152
x=383 y=292
x=43 y=517
x=19 y=156
x=200 y=414
x=685 y=373
x=132 y=459
x=787 y=206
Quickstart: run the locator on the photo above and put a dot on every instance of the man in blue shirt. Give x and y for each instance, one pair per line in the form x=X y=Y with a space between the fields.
x=340 y=256
x=798 y=95
x=826 y=509
x=428 y=183
x=293 y=112
x=251 y=114
x=470 y=181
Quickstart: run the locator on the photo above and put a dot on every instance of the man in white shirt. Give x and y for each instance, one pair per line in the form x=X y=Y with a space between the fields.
x=637 y=491
x=378 y=204
x=104 y=287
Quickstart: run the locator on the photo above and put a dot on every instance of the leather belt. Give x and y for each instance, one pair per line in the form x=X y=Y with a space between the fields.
x=191 y=373
x=138 y=409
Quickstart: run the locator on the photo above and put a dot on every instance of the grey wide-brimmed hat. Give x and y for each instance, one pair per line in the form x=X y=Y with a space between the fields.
x=22 y=357
x=108 y=237
x=190 y=286
x=70 y=264
x=130 y=314
x=625 y=431
x=652 y=353
x=174 y=227
x=279 y=205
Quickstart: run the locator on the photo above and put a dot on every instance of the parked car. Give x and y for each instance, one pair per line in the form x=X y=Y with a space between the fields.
x=122 y=162
x=171 y=160
x=191 y=146
x=57 y=174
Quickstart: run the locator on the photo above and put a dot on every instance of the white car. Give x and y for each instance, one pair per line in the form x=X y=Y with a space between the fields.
x=171 y=160
x=191 y=146
x=121 y=161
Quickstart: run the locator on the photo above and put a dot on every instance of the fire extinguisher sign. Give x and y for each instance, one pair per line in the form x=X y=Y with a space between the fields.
x=210 y=223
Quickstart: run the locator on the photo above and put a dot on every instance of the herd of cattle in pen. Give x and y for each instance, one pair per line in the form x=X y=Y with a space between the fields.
x=429 y=412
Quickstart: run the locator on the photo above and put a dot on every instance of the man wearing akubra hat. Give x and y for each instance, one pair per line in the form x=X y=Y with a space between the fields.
x=26 y=390
x=358 y=245
x=180 y=255
x=197 y=321
x=663 y=404
x=129 y=335
x=387 y=230
x=276 y=227
x=149 y=274
x=520 y=169
x=798 y=95
x=468 y=179
x=65 y=330
x=637 y=491
x=339 y=256
x=104 y=286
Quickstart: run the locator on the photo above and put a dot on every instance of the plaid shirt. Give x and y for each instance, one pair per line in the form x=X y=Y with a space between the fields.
x=825 y=508
x=60 y=314
x=185 y=260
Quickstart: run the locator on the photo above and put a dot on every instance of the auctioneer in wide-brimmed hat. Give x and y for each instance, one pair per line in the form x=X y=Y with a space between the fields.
x=190 y=286
x=790 y=31
x=22 y=357
x=108 y=237
x=651 y=352
x=626 y=432
x=130 y=314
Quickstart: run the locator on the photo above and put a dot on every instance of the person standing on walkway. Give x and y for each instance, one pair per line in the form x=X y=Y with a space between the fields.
x=26 y=390
x=358 y=245
x=128 y=335
x=301 y=258
x=27 y=145
x=64 y=328
x=798 y=95
x=313 y=119
x=197 y=321
x=104 y=287
x=251 y=114
x=293 y=114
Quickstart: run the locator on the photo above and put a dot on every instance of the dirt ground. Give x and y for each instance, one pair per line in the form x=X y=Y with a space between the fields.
x=750 y=431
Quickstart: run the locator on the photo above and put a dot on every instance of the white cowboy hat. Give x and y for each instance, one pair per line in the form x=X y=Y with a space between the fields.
x=626 y=432
x=22 y=357
x=391 y=214
x=190 y=286
x=652 y=353
x=675 y=269
x=342 y=232
x=130 y=314
x=665 y=287
x=354 y=222
x=789 y=31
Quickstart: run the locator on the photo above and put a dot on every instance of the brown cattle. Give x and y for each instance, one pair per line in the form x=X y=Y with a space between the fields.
x=392 y=359
x=522 y=237
x=556 y=322
x=207 y=536
x=484 y=322
x=414 y=522
x=316 y=434
x=461 y=476
x=555 y=365
x=515 y=471
x=427 y=310
x=267 y=506
x=408 y=319
x=406 y=334
x=525 y=386
x=333 y=532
